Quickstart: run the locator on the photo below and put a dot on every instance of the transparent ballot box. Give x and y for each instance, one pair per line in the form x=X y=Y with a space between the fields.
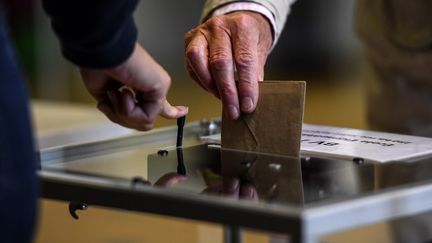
x=304 y=198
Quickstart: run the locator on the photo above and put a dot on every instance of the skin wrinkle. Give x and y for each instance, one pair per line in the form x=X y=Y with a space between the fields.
x=221 y=53
x=247 y=64
x=221 y=61
x=235 y=41
x=244 y=58
x=205 y=82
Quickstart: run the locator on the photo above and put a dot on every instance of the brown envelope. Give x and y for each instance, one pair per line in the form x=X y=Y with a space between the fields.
x=275 y=126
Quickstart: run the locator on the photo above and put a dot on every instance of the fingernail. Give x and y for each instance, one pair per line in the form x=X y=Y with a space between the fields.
x=247 y=104
x=182 y=108
x=233 y=112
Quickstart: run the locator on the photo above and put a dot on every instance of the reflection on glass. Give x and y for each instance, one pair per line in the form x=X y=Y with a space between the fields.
x=261 y=176
x=233 y=173
x=279 y=179
x=245 y=175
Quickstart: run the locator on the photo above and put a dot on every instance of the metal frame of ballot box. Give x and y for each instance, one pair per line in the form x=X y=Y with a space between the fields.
x=301 y=223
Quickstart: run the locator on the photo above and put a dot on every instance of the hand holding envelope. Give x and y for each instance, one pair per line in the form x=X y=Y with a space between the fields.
x=275 y=126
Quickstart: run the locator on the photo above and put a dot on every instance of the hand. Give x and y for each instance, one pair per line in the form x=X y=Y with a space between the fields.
x=138 y=105
x=232 y=187
x=170 y=179
x=215 y=49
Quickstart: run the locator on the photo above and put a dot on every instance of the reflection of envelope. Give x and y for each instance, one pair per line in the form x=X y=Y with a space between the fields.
x=275 y=178
x=275 y=126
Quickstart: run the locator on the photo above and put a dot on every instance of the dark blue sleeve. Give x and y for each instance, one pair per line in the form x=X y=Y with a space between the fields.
x=94 y=33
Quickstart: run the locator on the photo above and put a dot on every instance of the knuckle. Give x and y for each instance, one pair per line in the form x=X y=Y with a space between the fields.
x=247 y=83
x=245 y=59
x=191 y=35
x=243 y=21
x=164 y=81
x=160 y=88
x=166 y=78
x=220 y=62
x=228 y=92
x=215 y=21
x=193 y=54
x=188 y=36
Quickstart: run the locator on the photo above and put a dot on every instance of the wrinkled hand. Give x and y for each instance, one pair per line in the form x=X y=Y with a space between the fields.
x=215 y=49
x=138 y=105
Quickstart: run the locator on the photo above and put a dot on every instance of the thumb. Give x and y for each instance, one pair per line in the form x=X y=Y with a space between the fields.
x=173 y=112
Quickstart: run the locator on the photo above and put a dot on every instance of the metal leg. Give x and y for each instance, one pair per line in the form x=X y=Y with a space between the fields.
x=232 y=234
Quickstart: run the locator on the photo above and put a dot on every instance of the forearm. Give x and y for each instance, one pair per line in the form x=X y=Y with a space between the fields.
x=96 y=33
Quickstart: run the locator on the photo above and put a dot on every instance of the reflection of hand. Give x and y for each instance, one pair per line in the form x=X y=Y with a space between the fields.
x=170 y=179
x=146 y=78
x=212 y=49
x=231 y=186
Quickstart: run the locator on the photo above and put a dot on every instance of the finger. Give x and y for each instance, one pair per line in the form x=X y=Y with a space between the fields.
x=192 y=74
x=248 y=191
x=170 y=179
x=109 y=112
x=246 y=61
x=173 y=112
x=127 y=112
x=143 y=126
x=132 y=113
x=116 y=118
x=222 y=69
x=97 y=83
x=150 y=108
x=115 y=100
x=128 y=104
x=190 y=54
x=197 y=57
x=210 y=87
x=262 y=58
x=231 y=186
x=190 y=35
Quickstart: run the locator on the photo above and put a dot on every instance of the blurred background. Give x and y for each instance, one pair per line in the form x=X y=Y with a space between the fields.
x=318 y=45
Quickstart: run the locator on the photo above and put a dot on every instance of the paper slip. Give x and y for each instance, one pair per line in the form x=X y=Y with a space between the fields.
x=348 y=143
x=281 y=99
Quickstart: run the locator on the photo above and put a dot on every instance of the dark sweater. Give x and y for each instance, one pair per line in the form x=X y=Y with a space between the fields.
x=94 y=33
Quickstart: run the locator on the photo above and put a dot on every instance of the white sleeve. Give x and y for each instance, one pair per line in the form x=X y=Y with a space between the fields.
x=275 y=11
